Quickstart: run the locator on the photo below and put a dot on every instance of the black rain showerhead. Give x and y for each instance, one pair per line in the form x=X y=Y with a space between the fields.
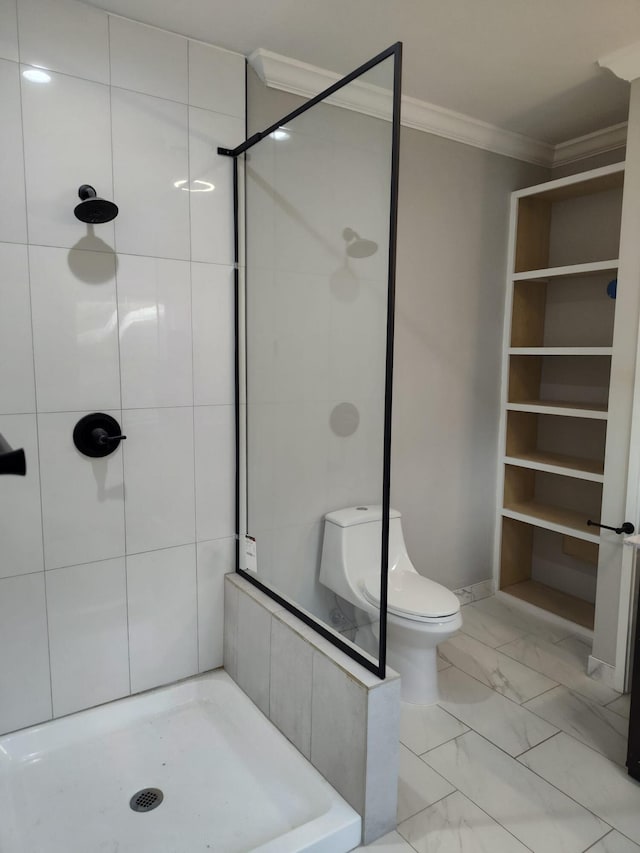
x=356 y=246
x=92 y=209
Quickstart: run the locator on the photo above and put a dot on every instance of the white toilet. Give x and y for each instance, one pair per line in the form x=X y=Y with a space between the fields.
x=420 y=613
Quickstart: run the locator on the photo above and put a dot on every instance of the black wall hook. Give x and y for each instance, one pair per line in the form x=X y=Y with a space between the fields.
x=97 y=435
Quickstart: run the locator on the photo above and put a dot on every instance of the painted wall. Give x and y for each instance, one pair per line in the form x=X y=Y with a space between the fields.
x=111 y=571
x=452 y=246
x=452 y=252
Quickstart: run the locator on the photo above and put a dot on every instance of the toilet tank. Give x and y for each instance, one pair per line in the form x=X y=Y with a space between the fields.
x=351 y=549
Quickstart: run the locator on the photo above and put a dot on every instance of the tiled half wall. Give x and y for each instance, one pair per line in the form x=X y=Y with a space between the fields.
x=340 y=716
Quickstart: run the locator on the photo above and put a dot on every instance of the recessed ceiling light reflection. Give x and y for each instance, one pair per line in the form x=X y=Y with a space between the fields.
x=36 y=75
x=196 y=186
x=279 y=134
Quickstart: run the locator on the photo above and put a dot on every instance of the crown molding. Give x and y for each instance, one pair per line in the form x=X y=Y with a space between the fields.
x=625 y=62
x=607 y=139
x=300 y=78
x=440 y=121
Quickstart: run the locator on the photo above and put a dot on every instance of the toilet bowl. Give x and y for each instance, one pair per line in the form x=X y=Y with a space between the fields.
x=421 y=613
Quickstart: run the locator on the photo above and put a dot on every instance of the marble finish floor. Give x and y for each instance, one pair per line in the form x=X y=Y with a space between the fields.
x=524 y=752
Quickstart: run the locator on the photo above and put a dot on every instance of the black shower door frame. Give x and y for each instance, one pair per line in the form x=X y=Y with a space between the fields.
x=394 y=52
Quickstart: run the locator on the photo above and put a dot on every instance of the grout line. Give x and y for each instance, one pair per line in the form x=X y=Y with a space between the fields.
x=448 y=740
x=174 y=33
x=110 y=85
x=117 y=557
x=542 y=693
x=113 y=251
x=612 y=830
x=485 y=738
x=458 y=791
x=529 y=748
x=115 y=279
x=33 y=356
x=435 y=802
x=613 y=711
x=524 y=665
x=546 y=781
x=118 y=409
x=193 y=389
x=581 y=805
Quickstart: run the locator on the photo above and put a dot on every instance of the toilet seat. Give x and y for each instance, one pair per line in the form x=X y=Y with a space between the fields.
x=412 y=596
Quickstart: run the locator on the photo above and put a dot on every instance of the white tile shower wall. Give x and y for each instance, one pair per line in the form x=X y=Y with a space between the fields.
x=113 y=317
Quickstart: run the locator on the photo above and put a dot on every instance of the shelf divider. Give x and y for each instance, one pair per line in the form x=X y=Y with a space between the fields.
x=595 y=411
x=559 y=463
x=561 y=351
x=560 y=520
x=554 y=601
x=571 y=270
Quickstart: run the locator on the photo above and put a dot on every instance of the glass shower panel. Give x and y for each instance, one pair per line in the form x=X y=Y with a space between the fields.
x=318 y=220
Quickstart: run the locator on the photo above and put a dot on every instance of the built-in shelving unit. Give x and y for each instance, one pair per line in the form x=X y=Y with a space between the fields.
x=559 y=342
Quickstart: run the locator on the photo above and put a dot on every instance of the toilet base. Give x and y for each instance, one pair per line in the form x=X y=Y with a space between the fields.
x=419 y=676
x=412 y=650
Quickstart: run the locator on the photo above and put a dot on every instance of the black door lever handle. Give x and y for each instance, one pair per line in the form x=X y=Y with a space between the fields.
x=627 y=528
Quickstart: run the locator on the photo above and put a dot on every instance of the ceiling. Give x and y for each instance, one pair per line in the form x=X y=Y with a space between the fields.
x=527 y=66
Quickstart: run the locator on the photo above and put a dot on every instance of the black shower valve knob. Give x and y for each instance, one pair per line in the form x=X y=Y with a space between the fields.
x=102 y=437
x=97 y=435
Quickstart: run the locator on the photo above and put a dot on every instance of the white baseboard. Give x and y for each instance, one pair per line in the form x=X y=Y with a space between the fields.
x=475 y=591
x=601 y=671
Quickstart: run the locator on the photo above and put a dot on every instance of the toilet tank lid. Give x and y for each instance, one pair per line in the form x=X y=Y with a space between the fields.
x=358 y=515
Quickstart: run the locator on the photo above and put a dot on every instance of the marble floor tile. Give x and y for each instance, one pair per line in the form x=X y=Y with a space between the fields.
x=579 y=647
x=391 y=843
x=424 y=727
x=614 y=843
x=418 y=785
x=505 y=723
x=561 y=662
x=591 y=779
x=516 y=618
x=539 y=815
x=489 y=629
x=589 y=722
x=494 y=669
x=621 y=705
x=442 y=663
x=456 y=825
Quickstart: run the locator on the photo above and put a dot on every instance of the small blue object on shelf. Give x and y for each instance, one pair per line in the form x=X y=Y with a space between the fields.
x=612 y=288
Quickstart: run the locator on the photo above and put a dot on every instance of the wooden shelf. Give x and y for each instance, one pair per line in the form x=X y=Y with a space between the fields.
x=570 y=271
x=561 y=351
x=554 y=601
x=598 y=180
x=563 y=408
x=559 y=463
x=561 y=520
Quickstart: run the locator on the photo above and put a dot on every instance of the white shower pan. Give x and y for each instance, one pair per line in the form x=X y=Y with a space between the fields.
x=231 y=782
